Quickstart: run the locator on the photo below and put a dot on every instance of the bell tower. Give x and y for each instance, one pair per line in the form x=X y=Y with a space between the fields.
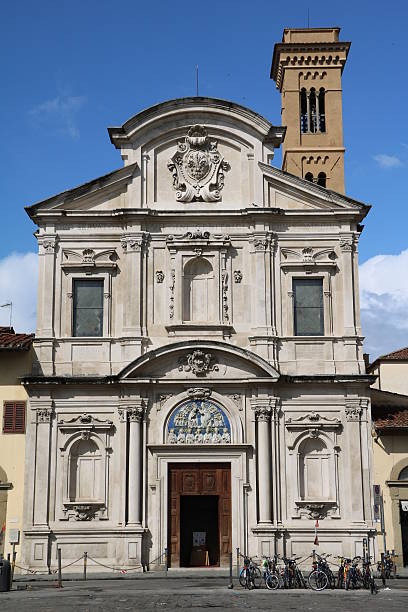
x=307 y=67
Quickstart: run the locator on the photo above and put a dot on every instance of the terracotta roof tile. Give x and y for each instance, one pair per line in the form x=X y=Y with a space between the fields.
x=392 y=420
x=10 y=341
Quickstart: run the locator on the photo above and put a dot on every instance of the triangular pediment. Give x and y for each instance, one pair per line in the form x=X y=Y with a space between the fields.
x=292 y=193
x=102 y=193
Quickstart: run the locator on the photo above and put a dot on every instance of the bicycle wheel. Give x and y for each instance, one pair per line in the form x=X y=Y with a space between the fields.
x=256 y=577
x=317 y=580
x=242 y=577
x=272 y=582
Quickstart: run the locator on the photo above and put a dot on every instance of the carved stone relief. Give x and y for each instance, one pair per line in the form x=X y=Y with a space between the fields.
x=198 y=362
x=199 y=421
x=237 y=276
x=197 y=168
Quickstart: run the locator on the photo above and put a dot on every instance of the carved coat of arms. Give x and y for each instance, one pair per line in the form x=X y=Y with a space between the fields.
x=197 y=168
x=198 y=362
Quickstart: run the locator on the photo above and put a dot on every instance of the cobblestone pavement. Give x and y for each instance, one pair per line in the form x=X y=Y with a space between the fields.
x=198 y=594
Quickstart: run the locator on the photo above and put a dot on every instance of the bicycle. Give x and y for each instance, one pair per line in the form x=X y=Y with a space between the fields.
x=368 y=576
x=291 y=574
x=341 y=572
x=250 y=575
x=353 y=576
x=386 y=567
x=271 y=573
x=321 y=575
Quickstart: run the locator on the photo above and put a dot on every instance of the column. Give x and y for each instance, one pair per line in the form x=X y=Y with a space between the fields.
x=353 y=414
x=346 y=247
x=261 y=294
x=45 y=323
x=135 y=463
x=42 y=464
x=262 y=410
x=132 y=313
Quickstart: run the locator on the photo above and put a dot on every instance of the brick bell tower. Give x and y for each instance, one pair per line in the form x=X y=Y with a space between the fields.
x=307 y=67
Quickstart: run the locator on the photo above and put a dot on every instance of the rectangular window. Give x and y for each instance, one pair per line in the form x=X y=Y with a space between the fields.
x=14 y=417
x=308 y=307
x=88 y=308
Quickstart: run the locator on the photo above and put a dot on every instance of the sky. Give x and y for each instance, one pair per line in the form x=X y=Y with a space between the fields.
x=71 y=69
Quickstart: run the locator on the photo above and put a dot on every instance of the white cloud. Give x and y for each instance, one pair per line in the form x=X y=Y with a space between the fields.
x=388 y=161
x=18 y=284
x=384 y=303
x=59 y=114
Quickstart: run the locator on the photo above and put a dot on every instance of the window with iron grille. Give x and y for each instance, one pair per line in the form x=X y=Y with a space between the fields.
x=14 y=417
x=88 y=307
x=308 y=306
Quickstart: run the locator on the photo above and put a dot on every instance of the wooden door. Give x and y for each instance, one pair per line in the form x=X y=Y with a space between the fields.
x=200 y=479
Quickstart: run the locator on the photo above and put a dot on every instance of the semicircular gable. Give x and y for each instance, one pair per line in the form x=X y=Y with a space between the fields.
x=199 y=359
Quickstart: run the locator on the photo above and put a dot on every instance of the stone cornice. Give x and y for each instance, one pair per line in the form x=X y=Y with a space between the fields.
x=180 y=106
x=117 y=177
x=327 y=195
x=305 y=49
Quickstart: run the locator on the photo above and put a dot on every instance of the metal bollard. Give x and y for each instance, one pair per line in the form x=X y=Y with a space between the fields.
x=166 y=561
x=59 y=568
x=238 y=563
x=13 y=565
x=231 y=584
x=85 y=562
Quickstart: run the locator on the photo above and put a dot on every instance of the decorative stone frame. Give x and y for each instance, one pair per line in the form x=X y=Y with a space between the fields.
x=398 y=491
x=288 y=296
x=71 y=432
x=182 y=249
x=237 y=455
x=299 y=429
x=67 y=314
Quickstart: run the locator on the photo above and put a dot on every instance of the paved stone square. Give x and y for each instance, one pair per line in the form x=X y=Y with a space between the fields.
x=173 y=593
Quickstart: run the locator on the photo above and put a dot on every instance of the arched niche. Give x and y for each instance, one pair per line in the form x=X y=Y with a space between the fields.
x=314 y=460
x=85 y=461
x=85 y=471
x=226 y=408
x=199 y=291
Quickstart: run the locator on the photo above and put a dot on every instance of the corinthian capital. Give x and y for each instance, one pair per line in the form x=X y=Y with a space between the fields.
x=264 y=408
x=136 y=413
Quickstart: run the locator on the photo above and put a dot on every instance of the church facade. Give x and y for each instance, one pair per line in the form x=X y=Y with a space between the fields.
x=199 y=383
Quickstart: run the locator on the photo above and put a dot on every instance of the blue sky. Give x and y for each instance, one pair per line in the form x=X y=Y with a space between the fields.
x=70 y=69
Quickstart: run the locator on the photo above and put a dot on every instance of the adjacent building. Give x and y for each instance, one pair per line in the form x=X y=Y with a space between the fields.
x=199 y=383
x=15 y=362
x=389 y=399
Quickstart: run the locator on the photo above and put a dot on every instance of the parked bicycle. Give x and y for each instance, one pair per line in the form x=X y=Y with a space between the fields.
x=292 y=577
x=271 y=572
x=386 y=567
x=250 y=575
x=321 y=575
x=353 y=573
x=368 y=576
